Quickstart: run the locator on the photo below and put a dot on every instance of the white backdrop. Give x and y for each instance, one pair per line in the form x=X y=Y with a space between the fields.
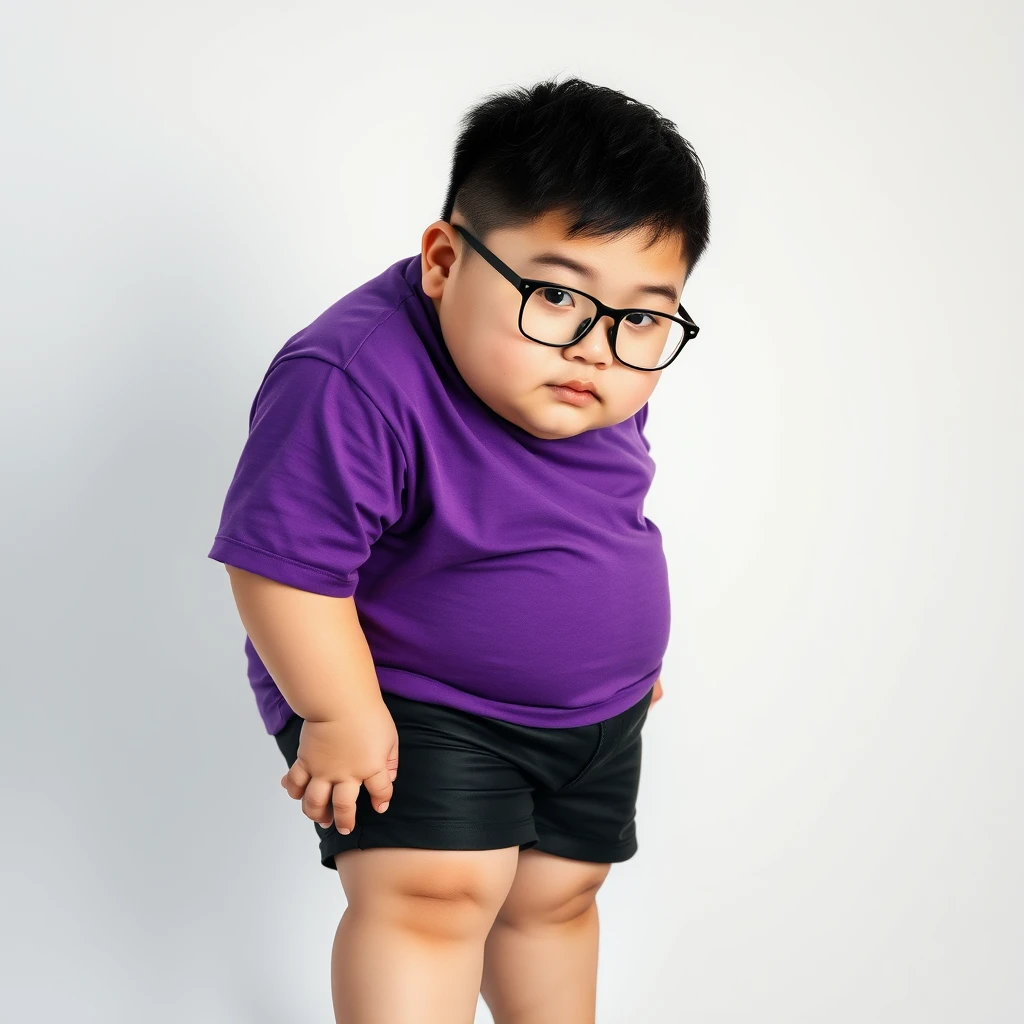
x=830 y=818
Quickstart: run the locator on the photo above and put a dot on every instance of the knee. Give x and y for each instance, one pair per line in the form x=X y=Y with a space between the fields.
x=552 y=904
x=451 y=903
x=441 y=894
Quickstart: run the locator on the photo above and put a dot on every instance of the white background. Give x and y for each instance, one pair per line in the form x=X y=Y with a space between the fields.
x=830 y=820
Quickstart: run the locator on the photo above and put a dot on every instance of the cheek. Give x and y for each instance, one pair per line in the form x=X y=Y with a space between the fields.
x=640 y=394
x=642 y=386
x=627 y=394
x=473 y=339
x=516 y=358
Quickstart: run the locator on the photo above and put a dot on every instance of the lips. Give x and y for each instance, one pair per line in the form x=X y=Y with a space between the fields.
x=578 y=385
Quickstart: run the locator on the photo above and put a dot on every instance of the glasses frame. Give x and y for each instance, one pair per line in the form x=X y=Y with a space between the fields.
x=526 y=286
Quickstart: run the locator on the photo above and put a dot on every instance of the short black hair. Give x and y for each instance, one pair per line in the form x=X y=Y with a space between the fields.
x=611 y=163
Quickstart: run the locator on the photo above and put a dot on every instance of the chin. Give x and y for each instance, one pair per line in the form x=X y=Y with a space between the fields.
x=546 y=424
x=554 y=433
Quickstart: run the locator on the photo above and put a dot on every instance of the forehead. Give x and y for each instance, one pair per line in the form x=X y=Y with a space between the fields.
x=622 y=264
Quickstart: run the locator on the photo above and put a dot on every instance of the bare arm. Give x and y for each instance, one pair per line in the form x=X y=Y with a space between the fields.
x=313 y=646
x=316 y=653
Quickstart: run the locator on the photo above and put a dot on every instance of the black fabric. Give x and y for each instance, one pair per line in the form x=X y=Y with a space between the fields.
x=468 y=782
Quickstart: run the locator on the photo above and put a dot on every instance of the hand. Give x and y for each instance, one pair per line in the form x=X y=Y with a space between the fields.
x=336 y=757
x=657 y=692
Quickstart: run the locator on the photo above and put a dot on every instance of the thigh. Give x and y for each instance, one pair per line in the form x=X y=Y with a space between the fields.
x=593 y=818
x=549 y=888
x=393 y=882
x=456 y=787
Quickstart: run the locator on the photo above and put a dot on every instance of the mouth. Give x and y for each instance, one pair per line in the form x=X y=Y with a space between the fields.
x=575 y=392
x=577 y=385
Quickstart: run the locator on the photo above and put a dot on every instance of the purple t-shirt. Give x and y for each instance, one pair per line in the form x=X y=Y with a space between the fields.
x=493 y=571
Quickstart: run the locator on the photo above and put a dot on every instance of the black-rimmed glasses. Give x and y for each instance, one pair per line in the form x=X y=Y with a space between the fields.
x=546 y=318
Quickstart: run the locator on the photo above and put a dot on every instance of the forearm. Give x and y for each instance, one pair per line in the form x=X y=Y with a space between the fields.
x=313 y=646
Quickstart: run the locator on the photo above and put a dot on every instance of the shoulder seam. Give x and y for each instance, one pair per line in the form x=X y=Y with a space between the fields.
x=383 y=320
x=359 y=387
x=387 y=422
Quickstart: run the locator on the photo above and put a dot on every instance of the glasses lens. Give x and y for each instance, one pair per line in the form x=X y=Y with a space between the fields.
x=648 y=340
x=558 y=316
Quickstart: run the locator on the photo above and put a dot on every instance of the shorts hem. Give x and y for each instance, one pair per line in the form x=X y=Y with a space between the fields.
x=575 y=848
x=445 y=836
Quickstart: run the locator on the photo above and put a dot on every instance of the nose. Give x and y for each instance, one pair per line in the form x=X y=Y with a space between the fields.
x=591 y=329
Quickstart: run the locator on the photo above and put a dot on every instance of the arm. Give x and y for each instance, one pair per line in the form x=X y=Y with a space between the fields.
x=313 y=646
x=315 y=651
x=321 y=476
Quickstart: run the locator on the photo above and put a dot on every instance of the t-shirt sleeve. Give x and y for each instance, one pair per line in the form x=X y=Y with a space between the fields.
x=320 y=478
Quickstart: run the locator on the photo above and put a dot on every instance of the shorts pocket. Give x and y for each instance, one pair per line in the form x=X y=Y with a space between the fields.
x=590 y=762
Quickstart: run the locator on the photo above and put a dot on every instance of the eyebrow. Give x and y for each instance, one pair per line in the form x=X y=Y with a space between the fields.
x=554 y=259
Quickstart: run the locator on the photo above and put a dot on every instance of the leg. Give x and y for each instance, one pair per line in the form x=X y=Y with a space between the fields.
x=409 y=948
x=540 y=958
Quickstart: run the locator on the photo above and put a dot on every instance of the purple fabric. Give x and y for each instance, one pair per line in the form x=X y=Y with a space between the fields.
x=493 y=571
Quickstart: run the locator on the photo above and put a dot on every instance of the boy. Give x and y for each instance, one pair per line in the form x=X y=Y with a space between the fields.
x=456 y=611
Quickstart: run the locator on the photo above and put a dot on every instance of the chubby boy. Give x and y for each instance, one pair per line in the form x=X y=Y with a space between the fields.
x=456 y=611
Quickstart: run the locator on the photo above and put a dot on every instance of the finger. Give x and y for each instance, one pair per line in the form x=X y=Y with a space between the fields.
x=316 y=802
x=294 y=791
x=344 y=803
x=392 y=762
x=380 y=789
x=295 y=780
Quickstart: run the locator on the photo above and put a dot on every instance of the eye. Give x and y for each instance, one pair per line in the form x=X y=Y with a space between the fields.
x=632 y=323
x=548 y=292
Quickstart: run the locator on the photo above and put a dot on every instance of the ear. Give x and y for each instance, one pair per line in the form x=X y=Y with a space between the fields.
x=438 y=252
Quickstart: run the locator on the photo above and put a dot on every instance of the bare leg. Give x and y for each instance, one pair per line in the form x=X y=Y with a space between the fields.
x=540 y=958
x=409 y=947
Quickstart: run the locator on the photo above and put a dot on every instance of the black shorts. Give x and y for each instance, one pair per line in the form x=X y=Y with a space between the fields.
x=469 y=782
